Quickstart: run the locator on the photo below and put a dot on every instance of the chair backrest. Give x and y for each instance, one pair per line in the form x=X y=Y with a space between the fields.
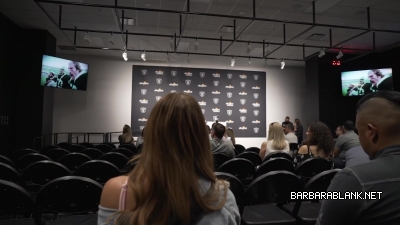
x=93 y=153
x=104 y=148
x=253 y=149
x=70 y=194
x=321 y=181
x=240 y=168
x=275 y=164
x=78 y=148
x=131 y=148
x=56 y=154
x=44 y=171
x=14 y=199
x=240 y=148
x=73 y=160
x=219 y=159
x=6 y=160
x=27 y=160
x=66 y=146
x=273 y=187
x=252 y=156
x=21 y=152
x=110 y=144
x=118 y=159
x=92 y=170
x=312 y=167
x=234 y=185
x=47 y=148
x=9 y=173
x=87 y=145
x=293 y=146
x=126 y=152
x=277 y=155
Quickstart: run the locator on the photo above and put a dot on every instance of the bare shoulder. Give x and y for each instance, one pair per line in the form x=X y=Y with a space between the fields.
x=303 y=150
x=111 y=192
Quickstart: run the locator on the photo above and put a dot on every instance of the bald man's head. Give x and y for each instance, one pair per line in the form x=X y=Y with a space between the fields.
x=378 y=121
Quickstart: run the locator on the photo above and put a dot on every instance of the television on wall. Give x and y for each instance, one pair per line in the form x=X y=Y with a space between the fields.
x=362 y=82
x=64 y=73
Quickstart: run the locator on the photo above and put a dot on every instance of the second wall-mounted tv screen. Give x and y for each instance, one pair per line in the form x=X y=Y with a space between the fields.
x=63 y=73
x=362 y=82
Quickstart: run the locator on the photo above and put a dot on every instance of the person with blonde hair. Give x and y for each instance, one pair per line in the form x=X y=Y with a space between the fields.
x=126 y=136
x=231 y=135
x=173 y=181
x=276 y=141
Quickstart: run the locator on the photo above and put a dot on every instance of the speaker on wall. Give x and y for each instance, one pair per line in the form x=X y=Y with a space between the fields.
x=237 y=97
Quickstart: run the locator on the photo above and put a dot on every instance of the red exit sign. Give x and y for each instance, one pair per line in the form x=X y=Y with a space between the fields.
x=335 y=63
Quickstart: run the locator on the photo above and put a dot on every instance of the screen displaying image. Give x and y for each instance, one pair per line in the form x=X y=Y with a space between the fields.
x=362 y=82
x=63 y=73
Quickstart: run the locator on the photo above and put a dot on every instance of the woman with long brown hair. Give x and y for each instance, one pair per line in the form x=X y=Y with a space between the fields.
x=231 y=135
x=173 y=181
x=126 y=136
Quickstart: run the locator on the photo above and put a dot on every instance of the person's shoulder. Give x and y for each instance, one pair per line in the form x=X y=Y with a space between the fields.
x=111 y=192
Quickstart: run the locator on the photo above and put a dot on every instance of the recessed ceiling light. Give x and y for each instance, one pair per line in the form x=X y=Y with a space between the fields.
x=241 y=13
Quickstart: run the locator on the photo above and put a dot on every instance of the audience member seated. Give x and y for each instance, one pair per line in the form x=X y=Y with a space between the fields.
x=356 y=156
x=209 y=132
x=378 y=119
x=339 y=131
x=276 y=141
x=290 y=136
x=173 y=181
x=345 y=142
x=126 y=136
x=140 y=139
x=231 y=135
x=319 y=143
x=298 y=131
x=220 y=145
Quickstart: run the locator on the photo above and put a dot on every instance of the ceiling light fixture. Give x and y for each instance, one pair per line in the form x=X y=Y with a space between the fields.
x=248 y=47
x=111 y=39
x=188 y=58
x=125 y=55
x=265 y=62
x=168 y=59
x=267 y=49
x=340 y=55
x=196 y=44
x=143 y=55
x=171 y=43
x=86 y=37
x=321 y=53
x=249 y=61
x=282 y=64
x=232 y=62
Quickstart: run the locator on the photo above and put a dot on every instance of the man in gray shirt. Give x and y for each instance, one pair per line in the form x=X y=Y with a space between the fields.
x=220 y=145
x=356 y=156
x=345 y=142
x=290 y=136
x=377 y=182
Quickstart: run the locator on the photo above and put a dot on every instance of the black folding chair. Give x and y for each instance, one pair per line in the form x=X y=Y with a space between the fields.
x=131 y=147
x=294 y=147
x=126 y=152
x=27 y=160
x=251 y=156
x=66 y=146
x=87 y=145
x=92 y=170
x=9 y=173
x=236 y=187
x=19 y=153
x=78 y=148
x=243 y=169
x=311 y=167
x=56 y=154
x=118 y=159
x=273 y=188
x=219 y=159
x=277 y=155
x=47 y=148
x=93 y=153
x=40 y=173
x=6 y=160
x=253 y=149
x=275 y=164
x=239 y=148
x=307 y=212
x=73 y=160
x=110 y=144
x=104 y=148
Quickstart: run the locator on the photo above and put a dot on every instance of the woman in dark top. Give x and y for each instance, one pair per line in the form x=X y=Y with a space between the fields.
x=126 y=136
x=298 y=131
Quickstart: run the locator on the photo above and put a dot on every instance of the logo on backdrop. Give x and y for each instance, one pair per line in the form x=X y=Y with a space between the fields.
x=216 y=83
x=143 y=101
x=215 y=92
x=158 y=90
x=255 y=121
x=187 y=82
x=243 y=128
x=202 y=103
x=216 y=75
x=160 y=72
x=242 y=101
x=188 y=74
x=256 y=129
x=143 y=91
x=229 y=94
x=215 y=100
x=158 y=98
x=143 y=83
x=243 y=110
x=229 y=112
x=255 y=95
x=243 y=76
x=141 y=128
x=242 y=84
x=188 y=91
x=229 y=104
x=229 y=75
x=230 y=121
x=144 y=72
x=215 y=118
x=202 y=85
x=242 y=118
x=256 y=112
x=174 y=73
x=256 y=87
x=255 y=77
x=256 y=104
x=173 y=91
x=229 y=87
x=242 y=93
x=158 y=80
x=173 y=84
x=142 y=109
x=202 y=93
x=142 y=120
x=203 y=111
x=202 y=74
x=216 y=110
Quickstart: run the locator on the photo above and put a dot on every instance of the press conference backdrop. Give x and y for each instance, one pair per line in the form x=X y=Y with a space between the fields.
x=237 y=97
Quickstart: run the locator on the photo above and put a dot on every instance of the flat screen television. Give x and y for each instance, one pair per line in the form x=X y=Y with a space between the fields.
x=64 y=73
x=362 y=82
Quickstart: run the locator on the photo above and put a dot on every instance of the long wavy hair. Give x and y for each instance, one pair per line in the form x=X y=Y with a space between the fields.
x=320 y=135
x=127 y=134
x=231 y=134
x=277 y=137
x=176 y=154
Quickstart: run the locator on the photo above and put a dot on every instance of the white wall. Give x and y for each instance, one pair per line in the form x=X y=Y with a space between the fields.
x=106 y=105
